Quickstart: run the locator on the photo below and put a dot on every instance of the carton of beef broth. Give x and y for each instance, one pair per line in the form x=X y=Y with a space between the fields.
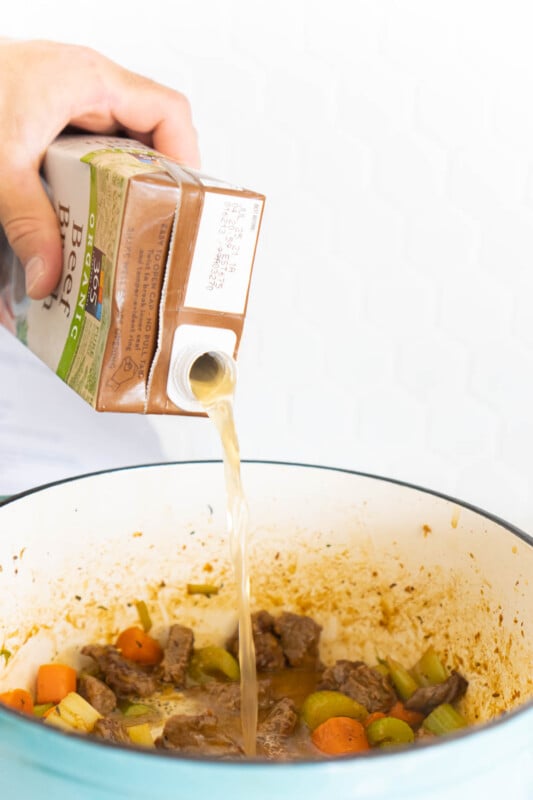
x=157 y=260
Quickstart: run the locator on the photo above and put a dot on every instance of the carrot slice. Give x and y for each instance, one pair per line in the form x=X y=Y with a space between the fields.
x=413 y=718
x=338 y=735
x=54 y=682
x=19 y=699
x=137 y=645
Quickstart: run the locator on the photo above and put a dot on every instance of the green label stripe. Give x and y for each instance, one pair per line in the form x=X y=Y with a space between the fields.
x=78 y=318
x=88 y=158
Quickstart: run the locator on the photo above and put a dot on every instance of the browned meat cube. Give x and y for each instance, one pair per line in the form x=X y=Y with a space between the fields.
x=97 y=693
x=360 y=682
x=124 y=677
x=177 y=654
x=112 y=730
x=299 y=636
x=427 y=698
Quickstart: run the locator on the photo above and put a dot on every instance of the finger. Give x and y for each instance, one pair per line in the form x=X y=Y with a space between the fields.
x=148 y=107
x=32 y=229
x=154 y=113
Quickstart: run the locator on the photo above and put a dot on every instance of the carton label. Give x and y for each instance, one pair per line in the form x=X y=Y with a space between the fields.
x=78 y=317
x=55 y=324
x=110 y=170
x=222 y=261
x=95 y=291
x=83 y=350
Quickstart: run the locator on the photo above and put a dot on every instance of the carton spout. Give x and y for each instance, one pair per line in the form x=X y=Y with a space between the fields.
x=202 y=367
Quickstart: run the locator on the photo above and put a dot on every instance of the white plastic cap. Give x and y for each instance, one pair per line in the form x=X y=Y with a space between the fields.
x=191 y=344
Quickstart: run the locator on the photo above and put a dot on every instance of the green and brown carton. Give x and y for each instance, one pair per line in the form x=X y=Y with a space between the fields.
x=156 y=257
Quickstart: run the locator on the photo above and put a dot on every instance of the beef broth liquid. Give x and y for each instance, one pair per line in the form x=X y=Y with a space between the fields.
x=213 y=383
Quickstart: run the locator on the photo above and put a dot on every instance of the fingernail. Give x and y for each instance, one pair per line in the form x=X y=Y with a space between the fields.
x=35 y=269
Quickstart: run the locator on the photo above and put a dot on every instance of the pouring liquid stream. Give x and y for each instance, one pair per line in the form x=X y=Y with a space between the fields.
x=213 y=384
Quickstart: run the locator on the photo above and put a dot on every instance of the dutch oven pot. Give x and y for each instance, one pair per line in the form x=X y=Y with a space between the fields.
x=384 y=567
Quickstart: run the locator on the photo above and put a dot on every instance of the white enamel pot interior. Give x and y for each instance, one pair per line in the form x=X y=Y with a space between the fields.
x=385 y=568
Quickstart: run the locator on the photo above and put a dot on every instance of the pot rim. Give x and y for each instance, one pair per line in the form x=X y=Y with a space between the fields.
x=273 y=462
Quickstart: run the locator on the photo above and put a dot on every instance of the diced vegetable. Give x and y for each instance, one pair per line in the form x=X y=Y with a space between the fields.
x=413 y=718
x=19 y=699
x=141 y=734
x=404 y=683
x=137 y=710
x=144 y=615
x=147 y=703
x=389 y=731
x=382 y=668
x=73 y=713
x=136 y=645
x=444 y=719
x=372 y=717
x=53 y=716
x=209 y=662
x=340 y=735
x=429 y=669
x=40 y=709
x=320 y=706
x=54 y=682
x=202 y=588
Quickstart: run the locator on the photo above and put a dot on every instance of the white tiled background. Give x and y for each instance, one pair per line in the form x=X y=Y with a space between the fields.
x=390 y=326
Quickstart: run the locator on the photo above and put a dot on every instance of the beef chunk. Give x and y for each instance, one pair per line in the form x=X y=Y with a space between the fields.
x=124 y=677
x=427 y=698
x=196 y=734
x=360 y=682
x=290 y=640
x=97 y=694
x=268 y=652
x=273 y=731
x=177 y=653
x=299 y=637
x=281 y=719
x=112 y=730
x=227 y=696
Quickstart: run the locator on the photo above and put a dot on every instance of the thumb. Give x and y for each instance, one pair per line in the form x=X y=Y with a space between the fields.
x=32 y=229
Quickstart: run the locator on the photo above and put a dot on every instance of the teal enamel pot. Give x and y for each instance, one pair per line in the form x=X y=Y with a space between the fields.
x=383 y=566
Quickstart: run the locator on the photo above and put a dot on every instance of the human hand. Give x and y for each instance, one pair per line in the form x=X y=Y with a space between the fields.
x=45 y=86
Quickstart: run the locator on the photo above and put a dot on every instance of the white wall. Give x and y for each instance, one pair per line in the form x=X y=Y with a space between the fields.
x=389 y=326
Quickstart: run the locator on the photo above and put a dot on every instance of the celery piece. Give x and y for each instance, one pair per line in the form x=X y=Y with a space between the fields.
x=137 y=710
x=202 y=588
x=320 y=706
x=74 y=713
x=139 y=714
x=141 y=734
x=389 y=731
x=444 y=719
x=404 y=683
x=40 y=709
x=144 y=615
x=429 y=669
x=208 y=662
x=382 y=668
